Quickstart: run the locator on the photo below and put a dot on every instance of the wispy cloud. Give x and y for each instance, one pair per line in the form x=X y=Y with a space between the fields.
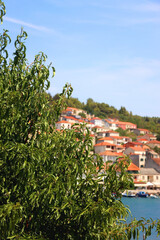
x=42 y=29
x=29 y=25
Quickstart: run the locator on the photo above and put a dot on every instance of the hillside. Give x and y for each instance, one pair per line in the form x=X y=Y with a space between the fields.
x=103 y=110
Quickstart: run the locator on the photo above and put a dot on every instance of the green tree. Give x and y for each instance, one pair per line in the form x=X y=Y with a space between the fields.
x=126 y=133
x=157 y=149
x=123 y=111
x=50 y=181
x=158 y=137
x=74 y=102
x=82 y=114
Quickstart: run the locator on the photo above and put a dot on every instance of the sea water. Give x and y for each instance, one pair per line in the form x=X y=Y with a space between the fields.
x=144 y=207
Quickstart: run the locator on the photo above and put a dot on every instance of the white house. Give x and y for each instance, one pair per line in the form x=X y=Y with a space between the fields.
x=97 y=121
x=136 y=150
x=104 y=146
x=137 y=154
x=121 y=139
x=110 y=156
x=105 y=139
x=112 y=133
x=110 y=124
x=149 y=175
x=63 y=125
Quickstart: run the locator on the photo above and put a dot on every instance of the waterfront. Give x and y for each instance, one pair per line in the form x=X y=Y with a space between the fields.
x=144 y=207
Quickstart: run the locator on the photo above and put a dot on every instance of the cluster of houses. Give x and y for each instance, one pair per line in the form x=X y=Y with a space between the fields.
x=145 y=162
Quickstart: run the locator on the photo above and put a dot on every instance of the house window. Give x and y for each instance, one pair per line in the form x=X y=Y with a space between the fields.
x=157 y=177
x=141 y=159
x=143 y=177
x=141 y=166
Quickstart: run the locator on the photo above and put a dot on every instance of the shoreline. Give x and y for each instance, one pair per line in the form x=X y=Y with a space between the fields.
x=149 y=191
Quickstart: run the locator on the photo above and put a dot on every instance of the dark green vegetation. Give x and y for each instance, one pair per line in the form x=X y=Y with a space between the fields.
x=157 y=150
x=103 y=110
x=50 y=180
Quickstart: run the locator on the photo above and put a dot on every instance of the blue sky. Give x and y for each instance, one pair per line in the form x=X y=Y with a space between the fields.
x=107 y=50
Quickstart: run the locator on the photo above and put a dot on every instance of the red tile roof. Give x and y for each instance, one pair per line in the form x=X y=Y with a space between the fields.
x=142 y=129
x=109 y=153
x=119 y=146
x=154 y=142
x=71 y=108
x=139 y=182
x=139 y=149
x=137 y=143
x=133 y=167
x=63 y=122
x=70 y=117
x=110 y=122
x=105 y=138
x=104 y=144
x=92 y=135
x=80 y=120
x=96 y=118
x=146 y=147
x=126 y=123
x=142 y=139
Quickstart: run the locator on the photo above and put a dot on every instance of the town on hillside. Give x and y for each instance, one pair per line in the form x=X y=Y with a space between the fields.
x=110 y=145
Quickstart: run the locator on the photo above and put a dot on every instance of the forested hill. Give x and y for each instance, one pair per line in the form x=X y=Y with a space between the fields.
x=103 y=110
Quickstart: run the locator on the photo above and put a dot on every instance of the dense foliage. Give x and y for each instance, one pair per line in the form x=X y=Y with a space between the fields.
x=50 y=180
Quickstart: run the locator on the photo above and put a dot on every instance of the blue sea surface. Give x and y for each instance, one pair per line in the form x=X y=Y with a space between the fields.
x=144 y=207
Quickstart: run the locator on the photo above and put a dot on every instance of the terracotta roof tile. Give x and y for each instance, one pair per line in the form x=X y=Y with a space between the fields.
x=142 y=139
x=109 y=153
x=63 y=122
x=154 y=141
x=133 y=167
x=96 y=126
x=142 y=129
x=139 y=149
x=71 y=108
x=104 y=144
x=126 y=123
x=119 y=146
x=70 y=117
x=105 y=138
x=96 y=118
